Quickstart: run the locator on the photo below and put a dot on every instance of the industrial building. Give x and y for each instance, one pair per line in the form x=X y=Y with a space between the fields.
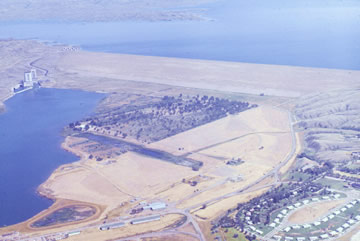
x=30 y=78
x=73 y=233
x=155 y=206
x=146 y=219
x=112 y=226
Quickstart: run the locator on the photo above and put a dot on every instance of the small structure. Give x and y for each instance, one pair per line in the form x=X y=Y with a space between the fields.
x=337 y=212
x=333 y=233
x=112 y=226
x=296 y=227
x=306 y=226
x=287 y=229
x=340 y=230
x=351 y=221
x=349 y=206
x=146 y=219
x=313 y=238
x=331 y=216
x=73 y=233
x=317 y=223
x=324 y=236
x=284 y=211
x=155 y=206
x=345 y=225
x=324 y=219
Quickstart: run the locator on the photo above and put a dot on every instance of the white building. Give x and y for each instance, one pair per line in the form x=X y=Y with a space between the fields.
x=340 y=229
x=313 y=238
x=324 y=236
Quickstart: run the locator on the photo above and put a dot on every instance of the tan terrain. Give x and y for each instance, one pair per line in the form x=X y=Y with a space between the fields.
x=261 y=136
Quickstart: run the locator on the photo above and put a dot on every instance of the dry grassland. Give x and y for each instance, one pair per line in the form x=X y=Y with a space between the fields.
x=214 y=210
x=310 y=213
x=202 y=74
x=129 y=230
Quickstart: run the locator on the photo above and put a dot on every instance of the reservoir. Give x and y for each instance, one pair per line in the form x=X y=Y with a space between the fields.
x=307 y=33
x=30 y=139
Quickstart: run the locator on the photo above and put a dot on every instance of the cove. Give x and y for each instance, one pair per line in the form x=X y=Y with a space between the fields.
x=30 y=139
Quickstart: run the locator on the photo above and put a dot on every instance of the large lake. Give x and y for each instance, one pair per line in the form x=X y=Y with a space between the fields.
x=30 y=138
x=314 y=33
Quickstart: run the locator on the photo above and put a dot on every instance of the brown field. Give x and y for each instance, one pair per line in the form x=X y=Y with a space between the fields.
x=261 y=136
x=129 y=230
x=218 y=208
x=310 y=213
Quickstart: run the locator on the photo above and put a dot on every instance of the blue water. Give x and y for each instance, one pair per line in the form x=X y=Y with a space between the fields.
x=314 y=33
x=30 y=138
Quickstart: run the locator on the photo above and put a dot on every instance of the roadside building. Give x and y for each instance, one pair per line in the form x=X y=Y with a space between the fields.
x=112 y=226
x=297 y=205
x=337 y=212
x=272 y=225
x=307 y=226
x=290 y=207
x=326 y=197
x=287 y=229
x=306 y=201
x=317 y=223
x=337 y=196
x=324 y=236
x=146 y=219
x=276 y=220
x=343 y=209
x=331 y=216
x=333 y=233
x=296 y=227
x=357 y=217
x=313 y=238
x=300 y=239
x=349 y=206
x=289 y=238
x=73 y=233
x=324 y=219
x=315 y=199
x=284 y=211
x=340 y=229
x=345 y=226
x=351 y=221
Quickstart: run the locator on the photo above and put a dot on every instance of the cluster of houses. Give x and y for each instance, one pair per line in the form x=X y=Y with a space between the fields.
x=330 y=234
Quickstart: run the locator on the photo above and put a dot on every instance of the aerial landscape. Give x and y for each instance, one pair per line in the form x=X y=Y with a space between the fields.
x=155 y=120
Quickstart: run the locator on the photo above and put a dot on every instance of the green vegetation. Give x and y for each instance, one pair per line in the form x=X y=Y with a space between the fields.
x=65 y=215
x=234 y=235
x=156 y=119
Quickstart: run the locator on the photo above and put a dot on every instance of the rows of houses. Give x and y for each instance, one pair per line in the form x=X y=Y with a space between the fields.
x=332 y=233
